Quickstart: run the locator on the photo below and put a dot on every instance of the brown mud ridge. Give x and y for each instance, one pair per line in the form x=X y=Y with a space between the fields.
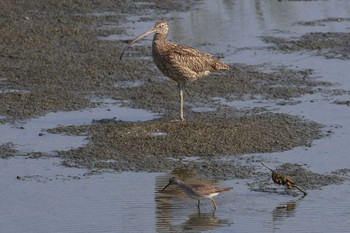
x=159 y=144
x=51 y=59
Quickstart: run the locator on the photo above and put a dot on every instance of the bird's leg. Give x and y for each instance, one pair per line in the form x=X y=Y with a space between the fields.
x=214 y=204
x=181 y=103
x=300 y=189
x=198 y=204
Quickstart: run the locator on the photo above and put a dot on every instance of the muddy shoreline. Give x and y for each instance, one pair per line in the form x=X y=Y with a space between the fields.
x=52 y=60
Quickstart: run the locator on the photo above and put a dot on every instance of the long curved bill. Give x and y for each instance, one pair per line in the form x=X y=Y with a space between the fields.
x=166 y=186
x=137 y=39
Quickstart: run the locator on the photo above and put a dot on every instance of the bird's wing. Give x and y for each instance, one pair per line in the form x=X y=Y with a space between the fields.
x=205 y=189
x=184 y=56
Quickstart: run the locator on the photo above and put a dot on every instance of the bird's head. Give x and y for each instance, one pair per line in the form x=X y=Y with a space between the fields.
x=160 y=28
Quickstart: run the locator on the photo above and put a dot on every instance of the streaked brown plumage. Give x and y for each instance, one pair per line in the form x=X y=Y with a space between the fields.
x=178 y=62
x=281 y=179
x=198 y=191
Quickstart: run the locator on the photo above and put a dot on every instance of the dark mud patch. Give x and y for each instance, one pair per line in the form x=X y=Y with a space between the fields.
x=345 y=172
x=8 y=150
x=305 y=178
x=323 y=22
x=160 y=144
x=332 y=45
x=342 y=102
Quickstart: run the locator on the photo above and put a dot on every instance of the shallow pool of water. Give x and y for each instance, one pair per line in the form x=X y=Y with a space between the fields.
x=38 y=195
x=32 y=136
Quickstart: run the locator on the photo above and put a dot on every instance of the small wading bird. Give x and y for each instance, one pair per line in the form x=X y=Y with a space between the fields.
x=198 y=191
x=281 y=179
x=178 y=62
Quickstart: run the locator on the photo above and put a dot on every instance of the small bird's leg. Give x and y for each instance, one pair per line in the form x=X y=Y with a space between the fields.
x=198 y=204
x=214 y=204
x=301 y=190
x=181 y=103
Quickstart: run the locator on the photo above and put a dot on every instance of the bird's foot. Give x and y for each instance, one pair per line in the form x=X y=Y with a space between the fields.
x=178 y=120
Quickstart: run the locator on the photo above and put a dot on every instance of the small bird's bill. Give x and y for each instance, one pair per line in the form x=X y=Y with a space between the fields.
x=267 y=167
x=166 y=186
x=137 y=39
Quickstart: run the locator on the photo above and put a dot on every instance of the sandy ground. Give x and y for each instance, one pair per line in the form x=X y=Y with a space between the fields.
x=52 y=60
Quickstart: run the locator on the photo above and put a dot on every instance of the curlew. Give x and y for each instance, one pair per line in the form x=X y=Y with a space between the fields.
x=179 y=62
x=198 y=191
x=281 y=179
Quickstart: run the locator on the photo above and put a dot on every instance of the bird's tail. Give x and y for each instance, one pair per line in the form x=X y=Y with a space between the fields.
x=224 y=189
x=222 y=66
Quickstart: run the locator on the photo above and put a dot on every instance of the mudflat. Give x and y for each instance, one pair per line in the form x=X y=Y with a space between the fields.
x=52 y=59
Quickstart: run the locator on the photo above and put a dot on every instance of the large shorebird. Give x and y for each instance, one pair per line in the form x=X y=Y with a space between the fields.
x=198 y=191
x=179 y=62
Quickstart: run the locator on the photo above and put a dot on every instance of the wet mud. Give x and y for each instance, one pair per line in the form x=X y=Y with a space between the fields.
x=7 y=150
x=52 y=60
x=160 y=144
x=330 y=45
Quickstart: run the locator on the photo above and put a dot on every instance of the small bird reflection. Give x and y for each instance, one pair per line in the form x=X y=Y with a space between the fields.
x=284 y=210
x=204 y=221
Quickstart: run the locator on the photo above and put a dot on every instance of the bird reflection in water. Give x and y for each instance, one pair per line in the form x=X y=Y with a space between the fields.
x=204 y=221
x=284 y=210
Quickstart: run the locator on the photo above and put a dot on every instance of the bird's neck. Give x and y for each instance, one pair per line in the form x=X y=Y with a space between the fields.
x=159 y=39
x=182 y=184
x=159 y=46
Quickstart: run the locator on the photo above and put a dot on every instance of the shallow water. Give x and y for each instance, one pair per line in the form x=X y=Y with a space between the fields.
x=50 y=198
x=32 y=136
x=42 y=196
